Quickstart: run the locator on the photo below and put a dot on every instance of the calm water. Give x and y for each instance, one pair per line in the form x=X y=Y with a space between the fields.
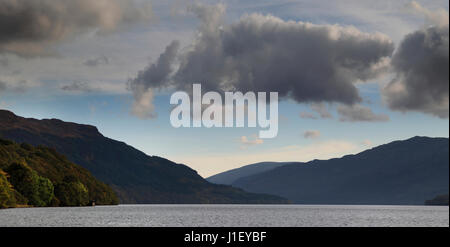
x=227 y=215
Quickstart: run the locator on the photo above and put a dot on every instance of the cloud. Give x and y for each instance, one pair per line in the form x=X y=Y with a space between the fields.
x=21 y=86
x=319 y=108
x=359 y=113
x=16 y=86
x=143 y=105
x=156 y=74
x=94 y=62
x=251 y=142
x=94 y=86
x=311 y=134
x=153 y=76
x=438 y=17
x=421 y=65
x=308 y=115
x=2 y=86
x=210 y=15
x=4 y=62
x=27 y=28
x=262 y=53
x=79 y=86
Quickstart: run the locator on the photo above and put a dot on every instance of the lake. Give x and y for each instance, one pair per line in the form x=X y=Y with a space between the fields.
x=228 y=216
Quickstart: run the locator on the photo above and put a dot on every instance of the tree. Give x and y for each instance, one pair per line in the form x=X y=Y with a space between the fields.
x=7 y=198
x=72 y=192
x=45 y=191
x=38 y=190
x=24 y=180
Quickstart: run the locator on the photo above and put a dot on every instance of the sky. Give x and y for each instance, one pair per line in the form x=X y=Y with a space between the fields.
x=351 y=75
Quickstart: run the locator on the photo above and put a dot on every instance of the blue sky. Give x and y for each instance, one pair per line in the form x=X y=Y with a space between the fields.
x=105 y=102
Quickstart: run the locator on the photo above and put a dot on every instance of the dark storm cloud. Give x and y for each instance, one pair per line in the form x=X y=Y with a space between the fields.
x=309 y=63
x=94 y=62
x=421 y=65
x=359 y=113
x=28 y=27
x=158 y=73
x=422 y=75
x=155 y=76
x=302 y=61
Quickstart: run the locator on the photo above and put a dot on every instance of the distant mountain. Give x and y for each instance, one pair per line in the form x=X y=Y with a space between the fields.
x=135 y=176
x=401 y=172
x=39 y=176
x=229 y=177
x=440 y=200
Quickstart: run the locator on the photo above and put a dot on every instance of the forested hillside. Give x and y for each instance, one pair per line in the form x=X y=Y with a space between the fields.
x=39 y=176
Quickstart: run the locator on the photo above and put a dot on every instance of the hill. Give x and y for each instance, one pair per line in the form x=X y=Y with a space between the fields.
x=440 y=200
x=401 y=172
x=229 y=177
x=39 y=176
x=134 y=176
